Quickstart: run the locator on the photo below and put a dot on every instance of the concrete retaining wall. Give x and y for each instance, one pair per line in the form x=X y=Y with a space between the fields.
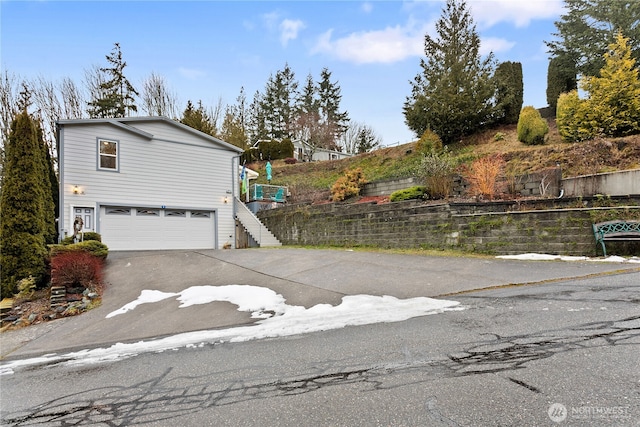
x=547 y=226
x=611 y=184
x=544 y=183
x=385 y=188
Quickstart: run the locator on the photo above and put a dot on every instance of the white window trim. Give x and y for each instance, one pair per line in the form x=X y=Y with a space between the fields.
x=116 y=156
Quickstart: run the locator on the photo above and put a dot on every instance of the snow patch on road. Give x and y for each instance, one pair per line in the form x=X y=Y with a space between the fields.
x=547 y=257
x=278 y=319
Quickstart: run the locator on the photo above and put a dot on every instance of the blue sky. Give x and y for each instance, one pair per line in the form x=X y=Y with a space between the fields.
x=208 y=50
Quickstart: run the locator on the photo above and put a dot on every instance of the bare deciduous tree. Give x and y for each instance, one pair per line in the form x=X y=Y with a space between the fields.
x=73 y=100
x=93 y=81
x=359 y=138
x=48 y=110
x=157 y=98
x=216 y=113
x=9 y=89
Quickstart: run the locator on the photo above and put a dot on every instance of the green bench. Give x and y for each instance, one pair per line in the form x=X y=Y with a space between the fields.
x=616 y=231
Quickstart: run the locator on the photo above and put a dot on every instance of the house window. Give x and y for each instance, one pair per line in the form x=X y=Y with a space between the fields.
x=147 y=212
x=200 y=214
x=117 y=211
x=107 y=154
x=176 y=213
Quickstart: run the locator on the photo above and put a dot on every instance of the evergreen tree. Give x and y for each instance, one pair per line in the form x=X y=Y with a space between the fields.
x=334 y=122
x=308 y=116
x=115 y=97
x=198 y=118
x=612 y=107
x=22 y=224
x=232 y=130
x=588 y=27
x=509 y=92
x=256 y=121
x=278 y=104
x=452 y=95
x=50 y=188
x=367 y=140
x=561 y=78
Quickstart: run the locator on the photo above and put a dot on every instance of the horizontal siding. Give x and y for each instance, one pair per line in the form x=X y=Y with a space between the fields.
x=151 y=173
x=161 y=130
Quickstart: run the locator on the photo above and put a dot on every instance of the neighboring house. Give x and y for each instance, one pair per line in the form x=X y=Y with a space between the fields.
x=302 y=152
x=147 y=183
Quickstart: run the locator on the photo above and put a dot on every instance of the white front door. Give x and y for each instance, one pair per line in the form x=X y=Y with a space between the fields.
x=87 y=216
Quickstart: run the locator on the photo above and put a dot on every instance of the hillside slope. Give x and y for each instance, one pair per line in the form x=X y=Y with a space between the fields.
x=588 y=157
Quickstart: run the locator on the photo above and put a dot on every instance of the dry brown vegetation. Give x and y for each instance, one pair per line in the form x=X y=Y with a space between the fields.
x=580 y=158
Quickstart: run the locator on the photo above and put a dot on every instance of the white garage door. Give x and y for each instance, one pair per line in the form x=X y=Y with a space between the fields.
x=125 y=228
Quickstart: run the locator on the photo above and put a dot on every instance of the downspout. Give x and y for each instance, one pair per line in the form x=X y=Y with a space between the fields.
x=234 y=183
x=61 y=201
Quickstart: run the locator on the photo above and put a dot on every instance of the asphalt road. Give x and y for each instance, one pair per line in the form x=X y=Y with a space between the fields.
x=557 y=353
x=305 y=277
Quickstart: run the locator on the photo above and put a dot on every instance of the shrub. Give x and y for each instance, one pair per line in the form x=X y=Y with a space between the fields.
x=92 y=247
x=274 y=149
x=428 y=143
x=75 y=268
x=417 y=192
x=437 y=169
x=348 y=185
x=89 y=235
x=532 y=128
x=482 y=175
x=570 y=118
x=612 y=105
x=26 y=287
x=499 y=136
x=290 y=160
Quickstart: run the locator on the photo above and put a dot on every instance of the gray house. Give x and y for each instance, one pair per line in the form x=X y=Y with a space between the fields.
x=303 y=152
x=146 y=183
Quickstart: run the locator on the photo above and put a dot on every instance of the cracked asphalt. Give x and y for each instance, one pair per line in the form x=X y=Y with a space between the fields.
x=517 y=355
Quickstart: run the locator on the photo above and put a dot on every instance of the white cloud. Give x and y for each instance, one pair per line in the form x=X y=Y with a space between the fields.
x=384 y=46
x=270 y=20
x=494 y=44
x=191 y=73
x=487 y=13
x=366 y=7
x=289 y=30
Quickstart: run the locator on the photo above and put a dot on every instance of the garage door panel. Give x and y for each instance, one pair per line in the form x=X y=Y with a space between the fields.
x=155 y=229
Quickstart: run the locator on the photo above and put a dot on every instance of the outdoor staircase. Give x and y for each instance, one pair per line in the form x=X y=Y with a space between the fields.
x=254 y=227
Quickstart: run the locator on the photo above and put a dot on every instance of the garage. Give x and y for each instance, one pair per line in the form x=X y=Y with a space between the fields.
x=144 y=228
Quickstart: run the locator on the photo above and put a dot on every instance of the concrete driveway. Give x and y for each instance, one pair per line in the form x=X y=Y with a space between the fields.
x=303 y=276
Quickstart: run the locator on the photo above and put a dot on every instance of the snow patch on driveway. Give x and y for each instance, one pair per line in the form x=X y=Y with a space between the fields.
x=278 y=319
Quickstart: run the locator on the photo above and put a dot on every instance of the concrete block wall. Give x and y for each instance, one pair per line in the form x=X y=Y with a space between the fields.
x=385 y=188
x=545 y=183
x=494 y=228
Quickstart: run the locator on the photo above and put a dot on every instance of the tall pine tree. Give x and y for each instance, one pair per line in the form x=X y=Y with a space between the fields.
x=24 y=205
x=561 y=78
x=588 y=27
x=115 y=97
x=278 y=104
x=334 y=122
x=453 y=94
x=509 y=92
x=198 y=119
